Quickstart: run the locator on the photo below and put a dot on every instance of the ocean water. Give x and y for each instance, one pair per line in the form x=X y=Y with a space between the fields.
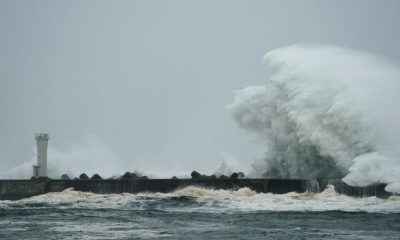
x=198 y=213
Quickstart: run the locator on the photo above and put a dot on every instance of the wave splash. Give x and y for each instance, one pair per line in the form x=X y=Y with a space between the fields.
x=196 y=199
x=325 y=112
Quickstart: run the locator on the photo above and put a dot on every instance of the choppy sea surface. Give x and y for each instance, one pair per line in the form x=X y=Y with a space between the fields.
x=198 y=213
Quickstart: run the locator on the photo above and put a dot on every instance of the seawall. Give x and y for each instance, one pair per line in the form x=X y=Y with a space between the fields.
x=18 y=189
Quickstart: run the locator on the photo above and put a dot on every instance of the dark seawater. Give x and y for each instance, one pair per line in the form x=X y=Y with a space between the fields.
x=196 y=213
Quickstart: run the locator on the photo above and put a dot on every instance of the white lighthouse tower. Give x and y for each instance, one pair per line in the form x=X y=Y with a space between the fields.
x=40 y=170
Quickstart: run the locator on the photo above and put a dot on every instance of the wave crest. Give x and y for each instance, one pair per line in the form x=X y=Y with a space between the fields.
x=197 y=199
x=325 y=112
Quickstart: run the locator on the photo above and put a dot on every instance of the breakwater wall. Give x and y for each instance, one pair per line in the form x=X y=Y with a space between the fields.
x=18 y=189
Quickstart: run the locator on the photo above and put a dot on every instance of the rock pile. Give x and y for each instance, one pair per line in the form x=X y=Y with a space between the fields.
x=197 y=175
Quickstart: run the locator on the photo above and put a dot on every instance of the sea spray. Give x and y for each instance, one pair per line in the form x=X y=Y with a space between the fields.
x=325 y=112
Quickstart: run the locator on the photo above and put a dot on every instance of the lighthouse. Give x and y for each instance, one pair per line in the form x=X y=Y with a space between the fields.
x=40 y=170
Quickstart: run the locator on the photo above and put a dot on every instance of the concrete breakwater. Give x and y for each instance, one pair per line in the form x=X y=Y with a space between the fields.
x=18 y=189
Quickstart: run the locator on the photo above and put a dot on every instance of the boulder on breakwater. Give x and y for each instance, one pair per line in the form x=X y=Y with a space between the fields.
x=96 y=177
x=128 y=175
x=196 y=174
x=64 y=177
x=83 y=176
x=235 y=175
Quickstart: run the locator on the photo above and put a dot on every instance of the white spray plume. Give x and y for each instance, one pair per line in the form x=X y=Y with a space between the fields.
x=326 y=112
x=90 y=156
x=228 y=165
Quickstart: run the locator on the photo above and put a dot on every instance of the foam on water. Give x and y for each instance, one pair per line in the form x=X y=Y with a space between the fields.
x=205 y=193
x=196 y=199
x=120 y=230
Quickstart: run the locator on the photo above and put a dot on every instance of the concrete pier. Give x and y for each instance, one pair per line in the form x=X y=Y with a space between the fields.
x=18 y=189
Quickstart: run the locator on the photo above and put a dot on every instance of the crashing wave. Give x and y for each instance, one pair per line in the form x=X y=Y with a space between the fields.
x=325 y=112
x=196 y=199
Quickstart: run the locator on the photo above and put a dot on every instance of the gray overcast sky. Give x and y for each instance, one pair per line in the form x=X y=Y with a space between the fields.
x=151 y=79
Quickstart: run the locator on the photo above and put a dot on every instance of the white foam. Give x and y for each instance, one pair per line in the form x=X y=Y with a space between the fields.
x=208 y=200
x=198 y=192
x=119 y=230
x=326 y=112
